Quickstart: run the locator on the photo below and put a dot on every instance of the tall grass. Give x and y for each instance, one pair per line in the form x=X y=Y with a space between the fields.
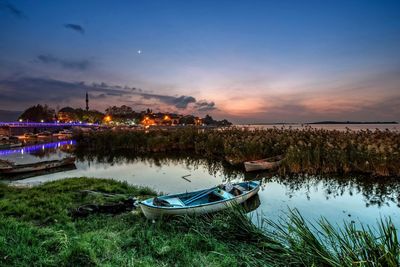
x=311 y=151
x=296 y=242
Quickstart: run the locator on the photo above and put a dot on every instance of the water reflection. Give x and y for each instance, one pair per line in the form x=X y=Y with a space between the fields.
x=336 y=198
x=375 y=191
x=40 y=150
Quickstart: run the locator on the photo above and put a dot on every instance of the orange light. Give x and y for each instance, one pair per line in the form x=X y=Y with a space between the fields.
x=107 y=118
x=166 y=118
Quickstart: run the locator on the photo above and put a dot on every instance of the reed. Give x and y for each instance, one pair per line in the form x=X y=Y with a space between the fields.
x=308 y=150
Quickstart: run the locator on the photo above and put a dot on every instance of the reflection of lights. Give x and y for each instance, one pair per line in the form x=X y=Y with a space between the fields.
x=34 y=148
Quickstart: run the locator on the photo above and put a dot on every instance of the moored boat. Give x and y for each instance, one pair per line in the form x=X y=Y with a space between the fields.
x=10 y=145
x=200 y=202
x=263 y=164
x=44 y=134
x=7 y=167
x=64 y=134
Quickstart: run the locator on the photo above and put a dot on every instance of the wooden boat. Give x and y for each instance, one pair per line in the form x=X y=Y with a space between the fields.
x=44 y=134
x=64 y=134
x=7 y=167
x=199 y=202
x=263 y=164
x=29 y=136
x=25 y=175
x=10 y=145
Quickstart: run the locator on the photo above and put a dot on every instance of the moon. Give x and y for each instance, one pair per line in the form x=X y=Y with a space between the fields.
x=139 y=51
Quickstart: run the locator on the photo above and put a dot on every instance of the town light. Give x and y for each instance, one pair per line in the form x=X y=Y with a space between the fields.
x=107 y=118
x=41 y=120
x=20 y=120
x=166 y=118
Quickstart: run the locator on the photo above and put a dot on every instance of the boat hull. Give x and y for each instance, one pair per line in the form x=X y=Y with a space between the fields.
x=260 y=165
x=152 y=212
x=38 y=166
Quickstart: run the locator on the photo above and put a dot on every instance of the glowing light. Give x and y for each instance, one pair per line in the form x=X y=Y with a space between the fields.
x=20 y=120
x=41 y=120
x=107 y=118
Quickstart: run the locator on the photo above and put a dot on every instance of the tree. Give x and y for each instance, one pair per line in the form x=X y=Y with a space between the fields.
x=208 y=120
x=122 y=110
x=38 y=113
x=189 y=119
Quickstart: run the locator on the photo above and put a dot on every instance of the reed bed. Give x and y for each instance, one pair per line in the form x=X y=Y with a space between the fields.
x=309 y=150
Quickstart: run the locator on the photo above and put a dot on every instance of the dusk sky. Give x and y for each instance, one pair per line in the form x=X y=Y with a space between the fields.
x=247 y=61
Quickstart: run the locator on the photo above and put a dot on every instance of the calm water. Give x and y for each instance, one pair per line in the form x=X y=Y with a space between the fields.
x=335 y=198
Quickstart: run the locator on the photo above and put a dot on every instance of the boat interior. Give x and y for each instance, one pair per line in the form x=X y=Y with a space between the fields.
x=218 y=193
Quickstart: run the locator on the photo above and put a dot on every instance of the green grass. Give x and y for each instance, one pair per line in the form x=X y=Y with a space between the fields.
x=37 y=230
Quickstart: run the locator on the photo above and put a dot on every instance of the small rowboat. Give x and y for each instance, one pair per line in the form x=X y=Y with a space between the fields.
x=263 y=164
x=7 y=167
x=199 y=202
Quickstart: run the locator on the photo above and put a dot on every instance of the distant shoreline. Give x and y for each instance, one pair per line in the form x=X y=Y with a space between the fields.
x=354 y=122
x=324 y=122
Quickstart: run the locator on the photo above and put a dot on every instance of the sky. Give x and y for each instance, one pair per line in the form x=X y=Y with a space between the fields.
x=247 y=61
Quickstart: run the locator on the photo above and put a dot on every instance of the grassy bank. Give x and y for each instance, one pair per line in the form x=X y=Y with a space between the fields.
x=311 y=151
x=36 y=229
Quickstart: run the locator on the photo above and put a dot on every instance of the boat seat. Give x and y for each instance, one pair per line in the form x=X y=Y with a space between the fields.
x=240 y=188
x=169 y=202
x=223 y=194
x=175 y=202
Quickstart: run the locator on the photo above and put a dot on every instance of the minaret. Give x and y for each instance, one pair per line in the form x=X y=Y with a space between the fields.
x=87 y=101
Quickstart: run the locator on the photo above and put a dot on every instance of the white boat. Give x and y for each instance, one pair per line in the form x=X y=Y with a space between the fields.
x=263 y=164
x=199 y=202
x=7 y=167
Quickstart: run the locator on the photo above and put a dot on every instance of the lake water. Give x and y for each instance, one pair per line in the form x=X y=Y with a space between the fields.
x=337 y=199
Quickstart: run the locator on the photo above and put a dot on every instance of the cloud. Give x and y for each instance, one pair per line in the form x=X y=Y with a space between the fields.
x=66 y=64
x=180 y=102
x=75 y=27
x=5 y=5
x=25 y=91
x=203 y=105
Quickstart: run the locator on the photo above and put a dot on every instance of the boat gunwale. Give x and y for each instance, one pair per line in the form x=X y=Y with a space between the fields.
x=257 y=187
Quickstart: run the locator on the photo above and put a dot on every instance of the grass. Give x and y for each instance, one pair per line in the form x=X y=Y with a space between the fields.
x=36 y=230
x=308 y=150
